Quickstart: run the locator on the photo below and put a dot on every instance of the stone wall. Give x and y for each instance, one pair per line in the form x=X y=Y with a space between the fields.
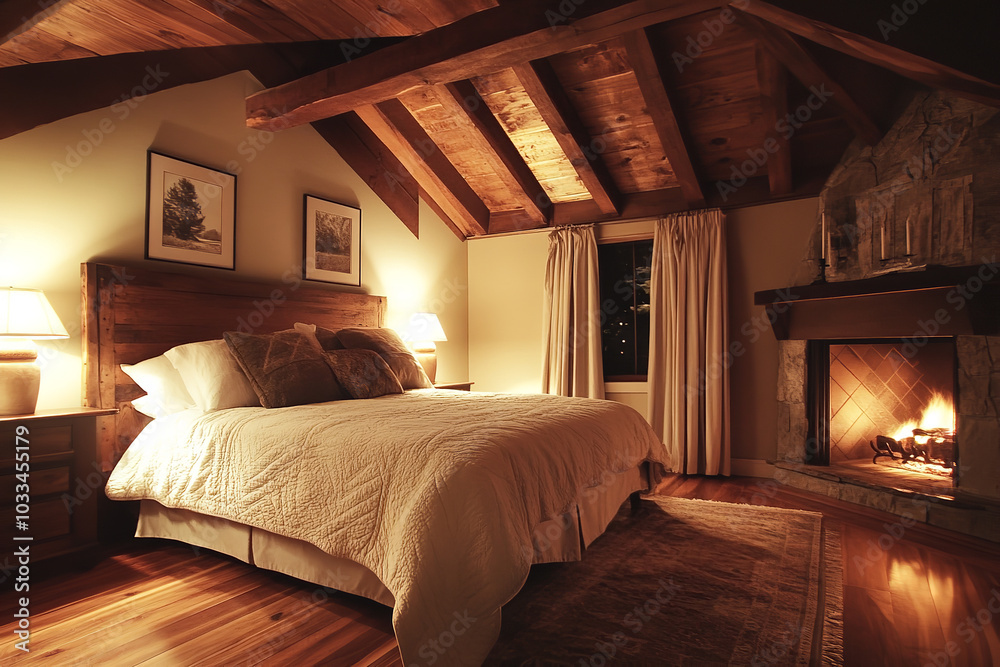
x=979 y=415
x=792 y=423
x=937 y=169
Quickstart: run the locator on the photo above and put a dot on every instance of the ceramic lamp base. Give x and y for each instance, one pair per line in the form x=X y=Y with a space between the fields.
x=19 y=377
x=429 y=361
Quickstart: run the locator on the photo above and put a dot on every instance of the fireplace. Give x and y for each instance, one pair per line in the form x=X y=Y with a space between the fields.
x=888 y=404
x=862 y=361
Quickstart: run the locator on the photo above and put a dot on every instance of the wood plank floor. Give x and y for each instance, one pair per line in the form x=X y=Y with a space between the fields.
x=912 y=595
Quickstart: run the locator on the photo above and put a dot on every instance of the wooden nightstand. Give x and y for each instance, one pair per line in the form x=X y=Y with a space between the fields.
x=64 y=479
x=460 y=386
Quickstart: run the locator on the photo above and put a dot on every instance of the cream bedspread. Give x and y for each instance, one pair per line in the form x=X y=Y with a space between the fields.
x=436 y=492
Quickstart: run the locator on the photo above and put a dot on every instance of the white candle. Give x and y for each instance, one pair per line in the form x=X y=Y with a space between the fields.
x=907 y=236
x=822 y=236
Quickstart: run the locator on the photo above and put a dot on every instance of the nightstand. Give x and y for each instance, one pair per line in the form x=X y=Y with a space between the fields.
x=64 y=480
x=460 y=386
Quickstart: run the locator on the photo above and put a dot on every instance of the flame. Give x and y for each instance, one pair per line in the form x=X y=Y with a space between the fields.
x=939 y=413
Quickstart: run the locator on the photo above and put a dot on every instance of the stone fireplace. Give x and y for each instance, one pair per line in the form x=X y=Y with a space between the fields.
x=897 y=310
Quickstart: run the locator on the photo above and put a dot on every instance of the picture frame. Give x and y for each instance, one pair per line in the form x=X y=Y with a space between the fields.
x=190 y=213
x=331 y=242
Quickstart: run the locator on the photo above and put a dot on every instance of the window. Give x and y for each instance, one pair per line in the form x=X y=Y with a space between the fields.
x=624 y=270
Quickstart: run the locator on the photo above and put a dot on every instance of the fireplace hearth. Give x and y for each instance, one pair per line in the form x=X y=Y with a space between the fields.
x=875 y=408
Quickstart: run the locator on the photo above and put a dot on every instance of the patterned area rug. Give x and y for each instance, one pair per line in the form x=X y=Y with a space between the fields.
x=686 y=582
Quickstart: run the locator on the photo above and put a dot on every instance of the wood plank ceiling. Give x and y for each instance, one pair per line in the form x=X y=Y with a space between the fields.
x=532 y=113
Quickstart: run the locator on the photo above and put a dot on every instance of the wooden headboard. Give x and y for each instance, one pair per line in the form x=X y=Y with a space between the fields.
x=131 y=314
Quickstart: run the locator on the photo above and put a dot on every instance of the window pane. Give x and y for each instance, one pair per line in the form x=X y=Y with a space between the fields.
x=624 y=278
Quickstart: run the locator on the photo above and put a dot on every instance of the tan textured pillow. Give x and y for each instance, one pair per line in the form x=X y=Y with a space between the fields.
x=363 y=373
x=285 y=368
x=390 y=347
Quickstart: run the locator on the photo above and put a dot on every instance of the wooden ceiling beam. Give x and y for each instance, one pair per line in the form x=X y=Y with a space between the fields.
x=772 y=78
x=546 y=93
x=804 y=67
x=657 y=102
x=462 y=103
x=509 y=34
x=901 y=62
x=375 y=164
x=395 y=127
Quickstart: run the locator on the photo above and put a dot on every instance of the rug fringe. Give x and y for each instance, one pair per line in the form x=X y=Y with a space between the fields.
x=833 y=616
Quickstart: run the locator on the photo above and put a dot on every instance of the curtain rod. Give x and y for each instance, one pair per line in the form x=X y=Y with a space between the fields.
x=538 y=230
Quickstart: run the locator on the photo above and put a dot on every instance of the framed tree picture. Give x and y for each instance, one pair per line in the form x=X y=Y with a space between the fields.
x=190 y=213
x=332 y=242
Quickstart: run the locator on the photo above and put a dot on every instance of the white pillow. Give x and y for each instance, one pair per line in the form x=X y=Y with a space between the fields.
x=212 y=376
x=164 y=387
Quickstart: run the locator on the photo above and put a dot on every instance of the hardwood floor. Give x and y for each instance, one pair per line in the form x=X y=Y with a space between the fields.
x=911 y=595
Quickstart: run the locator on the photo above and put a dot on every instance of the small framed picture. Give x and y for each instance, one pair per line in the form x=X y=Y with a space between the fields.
x=190 y=213
x=332 y=242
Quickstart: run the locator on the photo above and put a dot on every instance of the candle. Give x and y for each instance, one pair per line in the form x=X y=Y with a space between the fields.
x=908 y=236
x=822 y=236
x=882 y=240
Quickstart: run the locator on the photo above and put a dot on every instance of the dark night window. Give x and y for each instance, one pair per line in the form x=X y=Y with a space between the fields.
x=624 y=274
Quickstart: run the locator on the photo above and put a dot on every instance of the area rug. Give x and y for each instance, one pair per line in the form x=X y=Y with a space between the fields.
x=686 y=582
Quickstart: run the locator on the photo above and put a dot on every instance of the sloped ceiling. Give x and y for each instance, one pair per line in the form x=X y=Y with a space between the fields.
x=524 y=113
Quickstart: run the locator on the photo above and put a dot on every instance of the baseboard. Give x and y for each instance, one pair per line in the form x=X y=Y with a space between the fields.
x=751 y=468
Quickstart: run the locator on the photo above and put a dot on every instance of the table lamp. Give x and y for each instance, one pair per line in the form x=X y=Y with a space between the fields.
x=25 y=316
x=424 y=329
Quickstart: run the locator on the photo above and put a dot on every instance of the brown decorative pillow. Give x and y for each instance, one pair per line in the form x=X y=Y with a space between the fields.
x=327 y=337
x=390 y=347
x=363 y=373
x=285 y=368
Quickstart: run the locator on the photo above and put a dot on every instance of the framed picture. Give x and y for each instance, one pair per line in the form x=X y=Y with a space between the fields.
x=332 y=242
x=190 y=213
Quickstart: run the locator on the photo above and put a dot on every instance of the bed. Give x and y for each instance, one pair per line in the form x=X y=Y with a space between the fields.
x=434 y=502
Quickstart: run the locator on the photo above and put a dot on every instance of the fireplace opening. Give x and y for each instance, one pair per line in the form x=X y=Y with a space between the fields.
x=885 y=405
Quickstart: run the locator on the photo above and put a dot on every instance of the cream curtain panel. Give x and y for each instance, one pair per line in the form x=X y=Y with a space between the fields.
x=688 y=374
x=572 y=362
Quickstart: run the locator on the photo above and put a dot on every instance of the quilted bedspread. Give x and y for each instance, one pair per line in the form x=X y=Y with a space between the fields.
x=436 y=492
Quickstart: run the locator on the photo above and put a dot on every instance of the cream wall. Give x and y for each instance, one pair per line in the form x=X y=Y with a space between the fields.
x=506 y=287
x=765 y=246
x=51 y=222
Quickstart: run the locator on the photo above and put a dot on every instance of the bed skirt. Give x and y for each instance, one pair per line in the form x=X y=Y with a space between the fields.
x=560 y=539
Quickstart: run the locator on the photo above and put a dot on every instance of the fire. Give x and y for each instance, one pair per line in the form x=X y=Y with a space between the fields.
x=939 y=413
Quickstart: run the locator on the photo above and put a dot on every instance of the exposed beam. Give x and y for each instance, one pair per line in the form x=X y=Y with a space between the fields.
x=804 y=67
x=901 y=62
x=395 y=127
x=546 y=93
x=657 y=102
x=375 y=164
x=772 y=78
x=512 y=33
x=463 y=105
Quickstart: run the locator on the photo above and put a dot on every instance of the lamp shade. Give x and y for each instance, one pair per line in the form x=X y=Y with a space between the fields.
x=26 y=313
x=425 y=327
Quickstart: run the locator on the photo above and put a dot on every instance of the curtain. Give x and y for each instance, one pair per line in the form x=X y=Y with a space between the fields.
x=572 y=363
x=688 y=370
